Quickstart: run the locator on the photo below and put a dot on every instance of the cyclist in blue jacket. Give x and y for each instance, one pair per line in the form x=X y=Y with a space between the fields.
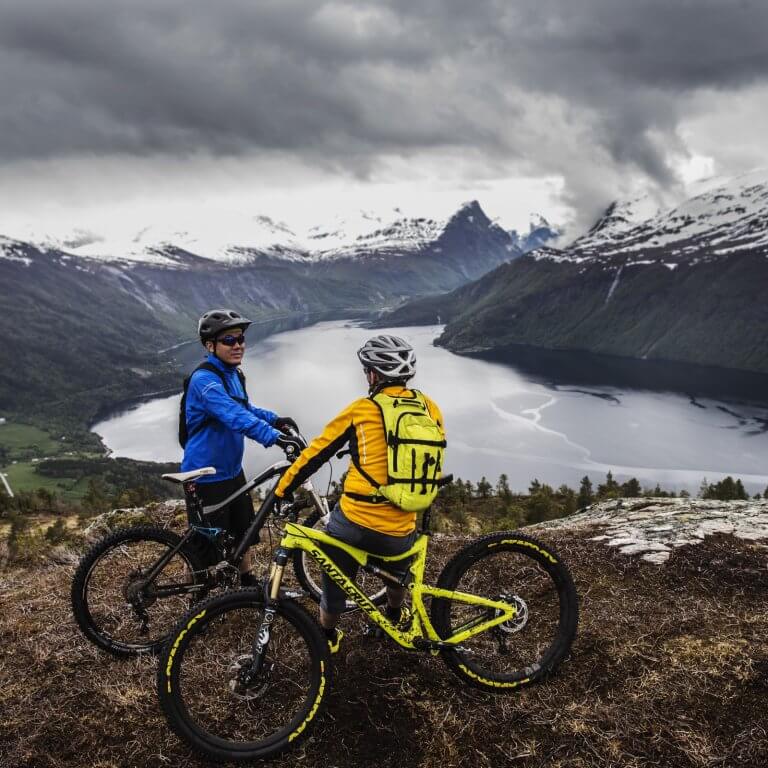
x=219 y=418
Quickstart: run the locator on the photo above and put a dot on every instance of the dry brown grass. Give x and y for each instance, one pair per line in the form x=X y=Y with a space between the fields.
x=670 y=669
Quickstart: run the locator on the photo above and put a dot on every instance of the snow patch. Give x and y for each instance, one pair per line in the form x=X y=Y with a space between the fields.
x=614 y=284
x=732 y=215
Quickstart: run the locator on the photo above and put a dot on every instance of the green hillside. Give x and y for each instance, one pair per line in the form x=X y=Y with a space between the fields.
x=711 y=313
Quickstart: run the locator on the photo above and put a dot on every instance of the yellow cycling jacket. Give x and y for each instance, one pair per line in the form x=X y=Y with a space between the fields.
x=360 y=425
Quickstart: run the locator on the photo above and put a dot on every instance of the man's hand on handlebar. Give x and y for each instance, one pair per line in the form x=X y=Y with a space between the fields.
x=286 y=423
x=292 y=446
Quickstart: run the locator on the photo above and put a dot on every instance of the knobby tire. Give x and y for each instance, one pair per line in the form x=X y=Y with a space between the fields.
x=522 y=571
x=109 y=622
x=197 y=674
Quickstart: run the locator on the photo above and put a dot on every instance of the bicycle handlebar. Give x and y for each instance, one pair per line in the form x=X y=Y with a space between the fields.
x=290 y=450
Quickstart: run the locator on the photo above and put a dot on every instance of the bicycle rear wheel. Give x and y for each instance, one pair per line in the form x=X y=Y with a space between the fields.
x=310 y=576
x=521 y=571
x=110 y=606
x=199 y=681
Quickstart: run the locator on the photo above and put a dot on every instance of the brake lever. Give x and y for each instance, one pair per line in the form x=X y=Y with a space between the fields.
x=292 y=510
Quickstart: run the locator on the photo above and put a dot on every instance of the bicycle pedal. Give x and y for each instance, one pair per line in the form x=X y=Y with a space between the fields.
x=372 y=632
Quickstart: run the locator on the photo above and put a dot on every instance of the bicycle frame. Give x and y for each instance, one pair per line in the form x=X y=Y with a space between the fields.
x=248 y=538
x=421 y=634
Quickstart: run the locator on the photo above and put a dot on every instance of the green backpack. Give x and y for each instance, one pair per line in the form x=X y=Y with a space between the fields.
x=415 y=447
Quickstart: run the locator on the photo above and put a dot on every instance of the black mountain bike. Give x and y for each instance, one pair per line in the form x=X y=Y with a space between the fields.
x=131 y=587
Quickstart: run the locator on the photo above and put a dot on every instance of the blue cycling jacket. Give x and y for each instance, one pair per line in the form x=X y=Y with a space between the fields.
x=221 y=442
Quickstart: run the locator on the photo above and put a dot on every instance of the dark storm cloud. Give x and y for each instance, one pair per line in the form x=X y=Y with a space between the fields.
x=553 y=84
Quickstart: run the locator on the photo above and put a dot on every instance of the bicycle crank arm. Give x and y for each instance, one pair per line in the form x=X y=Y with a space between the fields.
x=420 y=644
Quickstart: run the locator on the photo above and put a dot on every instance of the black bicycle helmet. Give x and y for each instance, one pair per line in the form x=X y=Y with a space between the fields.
x=214 y=321
x=390 y=356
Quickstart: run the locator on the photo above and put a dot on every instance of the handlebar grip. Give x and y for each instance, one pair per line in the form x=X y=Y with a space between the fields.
x=445 y=480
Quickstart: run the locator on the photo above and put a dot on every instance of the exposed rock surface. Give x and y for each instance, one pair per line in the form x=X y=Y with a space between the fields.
x=162 y=513
x=654 y=527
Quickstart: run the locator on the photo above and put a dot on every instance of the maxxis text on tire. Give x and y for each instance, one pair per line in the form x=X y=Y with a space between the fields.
x=527 y=572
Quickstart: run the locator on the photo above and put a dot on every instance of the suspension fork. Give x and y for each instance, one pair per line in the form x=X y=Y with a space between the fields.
x=320 y=502
x=272 y=598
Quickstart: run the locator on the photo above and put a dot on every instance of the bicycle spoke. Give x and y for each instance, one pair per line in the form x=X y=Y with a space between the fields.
x=512 y=578
x=116 y=603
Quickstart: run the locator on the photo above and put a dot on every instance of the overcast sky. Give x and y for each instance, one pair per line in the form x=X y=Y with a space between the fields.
x=299 y=109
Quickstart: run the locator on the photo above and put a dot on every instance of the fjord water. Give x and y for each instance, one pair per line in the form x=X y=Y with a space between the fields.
x=548 y=421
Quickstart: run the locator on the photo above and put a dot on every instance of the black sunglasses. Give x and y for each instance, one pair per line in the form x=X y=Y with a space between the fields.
x=230 y=341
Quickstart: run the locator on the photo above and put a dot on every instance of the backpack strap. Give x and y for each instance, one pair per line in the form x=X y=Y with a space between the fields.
x=354 y=454
x=373 y=498
x=241 y=377
x=206 y=366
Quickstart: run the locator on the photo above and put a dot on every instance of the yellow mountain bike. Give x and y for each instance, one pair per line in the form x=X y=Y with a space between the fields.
x=246 y=674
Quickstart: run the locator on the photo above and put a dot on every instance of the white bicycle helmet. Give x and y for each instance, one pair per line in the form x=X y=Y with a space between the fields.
x=390 y=356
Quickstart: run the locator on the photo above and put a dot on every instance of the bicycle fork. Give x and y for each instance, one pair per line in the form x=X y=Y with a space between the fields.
x=261 y=641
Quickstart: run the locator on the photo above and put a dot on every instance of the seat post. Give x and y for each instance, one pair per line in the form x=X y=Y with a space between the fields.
x=193 y=502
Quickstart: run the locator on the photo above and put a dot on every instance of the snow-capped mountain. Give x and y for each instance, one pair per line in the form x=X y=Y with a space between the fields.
x=685 y=284
x=400 y=235
x=235 y=238
x=227 y=236
x=729 y=217
x=104 y=304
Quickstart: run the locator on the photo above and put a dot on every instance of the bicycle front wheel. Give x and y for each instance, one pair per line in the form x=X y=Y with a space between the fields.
x=522 y=572
x=200 y=678
x=309 y=575
x=110 y=602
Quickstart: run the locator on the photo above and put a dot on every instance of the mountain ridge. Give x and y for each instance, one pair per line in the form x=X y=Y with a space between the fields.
x=685 y=285
x=95 y=322
x=236 y=238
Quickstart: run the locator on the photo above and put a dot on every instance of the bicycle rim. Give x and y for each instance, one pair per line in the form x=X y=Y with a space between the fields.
x=111 y=585
x=200 y=672
x=536 y=639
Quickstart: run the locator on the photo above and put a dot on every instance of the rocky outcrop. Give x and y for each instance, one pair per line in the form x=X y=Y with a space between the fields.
x=653 y=528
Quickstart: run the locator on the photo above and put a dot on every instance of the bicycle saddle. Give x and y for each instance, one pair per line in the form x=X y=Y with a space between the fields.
x=182 y=477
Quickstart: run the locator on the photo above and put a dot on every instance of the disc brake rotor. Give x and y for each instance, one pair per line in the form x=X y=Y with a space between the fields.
x=258 y=687
x=520 y=618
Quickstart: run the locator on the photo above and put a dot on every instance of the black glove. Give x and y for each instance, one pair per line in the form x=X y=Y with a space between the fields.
x=285 y=422
x=291 y=445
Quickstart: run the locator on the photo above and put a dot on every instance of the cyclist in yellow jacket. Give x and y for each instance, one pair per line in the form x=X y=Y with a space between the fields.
x=363 y=518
